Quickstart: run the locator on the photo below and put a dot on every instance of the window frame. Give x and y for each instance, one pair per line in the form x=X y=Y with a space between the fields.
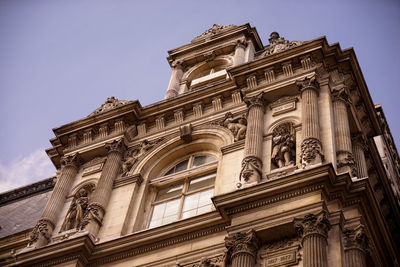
x=185 y=177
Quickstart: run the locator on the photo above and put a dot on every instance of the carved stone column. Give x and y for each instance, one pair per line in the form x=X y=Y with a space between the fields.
x=41 y=233
x=101 y=196
x=242 y=248
x=239 y=57
x=314 y=232
x=252 y=164
x=359 y=146
x=311 y=146
x=175 y=81
x=344 y=155
x=355 y=247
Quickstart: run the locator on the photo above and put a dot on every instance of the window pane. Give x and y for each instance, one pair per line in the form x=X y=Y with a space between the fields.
x=204 y=209
x=172 y=207
x=158 y=211
x=181 y=166
x=170 y=191
x=205 y=197
x=189 y=213
x=200 y=160
x=202 y=181
x=191 y=202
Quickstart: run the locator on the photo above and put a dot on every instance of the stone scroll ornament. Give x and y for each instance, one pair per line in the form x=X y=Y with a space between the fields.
x=236 y=124
x=41 y=231
x=134 y=155
x=284 y=145
x=251 y=169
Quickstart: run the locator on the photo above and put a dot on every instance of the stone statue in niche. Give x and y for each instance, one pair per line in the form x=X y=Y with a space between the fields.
x=133 y=155
x=77 y=210
x=237 y=125
x=283 y=145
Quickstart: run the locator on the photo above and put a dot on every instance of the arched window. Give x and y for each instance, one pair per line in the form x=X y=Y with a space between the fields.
x=185 y=191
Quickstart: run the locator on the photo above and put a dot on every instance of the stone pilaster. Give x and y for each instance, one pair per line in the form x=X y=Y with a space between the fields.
x=239 y=56
x=344 y=151
x=311 y=146
x=355 y=243
x=313 y=230
x=101 y=196
x=175 y=81
x=41 y=233
x=242 y=248
x=359 y=148
x=252 y=163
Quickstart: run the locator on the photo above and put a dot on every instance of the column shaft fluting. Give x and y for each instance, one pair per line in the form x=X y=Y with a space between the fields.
x=243 y=260
x=42 y=232
x=310 y=126
x=314 y=251
x=359 y=159
x=314 y=232
x=354 y=258
x=311 y=146
x=344 y=152
x=101 y=197
x=252 y=163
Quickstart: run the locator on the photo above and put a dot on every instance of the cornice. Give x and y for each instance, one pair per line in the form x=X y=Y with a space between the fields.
x=217 y=38
x=29 y=190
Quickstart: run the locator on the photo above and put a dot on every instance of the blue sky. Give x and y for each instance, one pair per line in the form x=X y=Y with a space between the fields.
x=60 y=60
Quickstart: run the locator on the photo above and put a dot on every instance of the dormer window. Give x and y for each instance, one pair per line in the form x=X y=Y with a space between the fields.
x=209 y=72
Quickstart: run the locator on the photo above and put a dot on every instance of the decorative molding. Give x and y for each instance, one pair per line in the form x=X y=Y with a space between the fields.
x=274 y=199
x=160 y=122
x=129 y=179
x=217 y=103
x=160 y=244
x=109 y=104
x=236 y=124
x=179 y=116
x=287 y=69
x=237 y=97
x=198 y=109
x=306 y=62
x=29 y=190
x=284 y=252
x=252 y=81
x=142 y=129
x=232 y=147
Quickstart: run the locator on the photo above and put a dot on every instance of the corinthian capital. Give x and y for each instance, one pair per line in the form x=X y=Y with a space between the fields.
x=341 y=94
x=313 y=224
x=71 y=160
x=308 y=83
x=355 y=238
x=115 y=146
x=254 y=101
x=242 y=242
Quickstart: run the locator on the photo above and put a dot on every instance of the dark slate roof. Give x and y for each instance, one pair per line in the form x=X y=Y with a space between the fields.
x=21 y=208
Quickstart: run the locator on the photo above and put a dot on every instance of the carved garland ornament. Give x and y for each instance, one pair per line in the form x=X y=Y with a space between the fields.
x=311 y=149
x=242 y=242
x=346 y=158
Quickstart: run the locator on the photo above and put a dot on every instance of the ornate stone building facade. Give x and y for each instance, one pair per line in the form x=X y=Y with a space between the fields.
x=258 y=156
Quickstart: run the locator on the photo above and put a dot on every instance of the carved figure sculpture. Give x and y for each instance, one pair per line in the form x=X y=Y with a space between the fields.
x=284 y=143
x=237 y=125
x=76 y=211
x=134 y=155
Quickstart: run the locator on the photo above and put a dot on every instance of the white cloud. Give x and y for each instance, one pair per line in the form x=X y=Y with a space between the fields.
x=31 y=168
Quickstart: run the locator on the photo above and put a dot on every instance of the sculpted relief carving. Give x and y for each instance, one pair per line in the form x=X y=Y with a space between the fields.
x=78 y=209
x=133 y=155
x=237 y=125
x=283 y=146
